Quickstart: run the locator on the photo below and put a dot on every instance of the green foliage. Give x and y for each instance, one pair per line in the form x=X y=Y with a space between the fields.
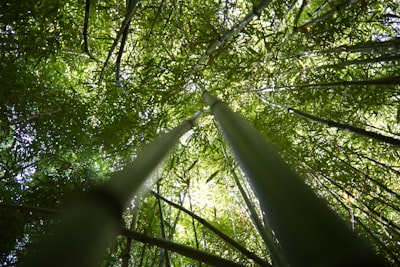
x=63 y=129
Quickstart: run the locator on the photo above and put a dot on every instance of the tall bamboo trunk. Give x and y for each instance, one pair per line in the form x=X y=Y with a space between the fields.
x=309 y=232
x=91 y=222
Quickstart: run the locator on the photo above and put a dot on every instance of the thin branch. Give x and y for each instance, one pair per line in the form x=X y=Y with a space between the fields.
x=323 y=17
x=344 y=64
x=181 y=249
x=257 y=10
x=193 y=223
x=85 y=31
x=267 y=236
x=16 y=122
x=369 y=178
x=392 y=81
x=175 y=223
x=163 y=252
x=382 y=200
x=391 y=46
x=357 y=220
x=380 y=164
x=159 y=9
x=44 y=211
x=125 y=24
x=352 y=129
x=225 y=237
x=303 y=5
x=360 y=62
x=380 y=218
x=126 y=254
x=121 y=51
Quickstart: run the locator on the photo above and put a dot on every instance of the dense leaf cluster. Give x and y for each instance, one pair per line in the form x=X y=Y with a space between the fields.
x=85 y=84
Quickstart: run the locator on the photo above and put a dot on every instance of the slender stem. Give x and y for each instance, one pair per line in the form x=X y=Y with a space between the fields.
x=121 y=50
x=300 y=220
x=135 y=176
x=181 y=249
x=356 y=220
x=176 y=218
x=267 y=236
x=314 y=173
x=296 y=19
x=91 y=222
x=163 y=253
x=257 y=10
x=149 y=223
x=218 y=232
x=337 y=8
x=369 y=178
x=341 y=126
x=380 y=164
x=392 y=81
x=16 y=122
x=196 y=239
x=366 y=47
x=85 y=31
x=156 y=16
x=43 y=211
x=344 y=64
x=125 y=24
x=380 y=218
x=126 y=254
x=316 y=20
x=360 y=62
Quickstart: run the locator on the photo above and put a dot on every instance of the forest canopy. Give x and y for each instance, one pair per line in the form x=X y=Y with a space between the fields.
x=85 y=85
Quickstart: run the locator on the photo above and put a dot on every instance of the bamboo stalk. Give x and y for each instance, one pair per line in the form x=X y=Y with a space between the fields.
x=175 y=223
x=365 y=228
x=267 y=236
x=349 y=128
x=39 y=210
x=164 y=255
x=124 y=184
x=121 y=51
x=323 y=17
x=380 y=164
x=369 y=178
x=392 y=81
x=382 y=186
x=309 y=233
x=149 y=223
x=181 y=249
x=40 y=115
x=125 y=24
x=93 y=220
x=328 y=14
x=380 y=219
x=196 y=238
x=85 y=31
x=257 y=10
x=301 y=9
x=346 y=63
x=360 y=62
x=126 y=254
x=366 y=47
x=215 y=230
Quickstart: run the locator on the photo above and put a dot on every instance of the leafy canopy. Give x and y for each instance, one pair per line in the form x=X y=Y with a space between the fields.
x=84 y=85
